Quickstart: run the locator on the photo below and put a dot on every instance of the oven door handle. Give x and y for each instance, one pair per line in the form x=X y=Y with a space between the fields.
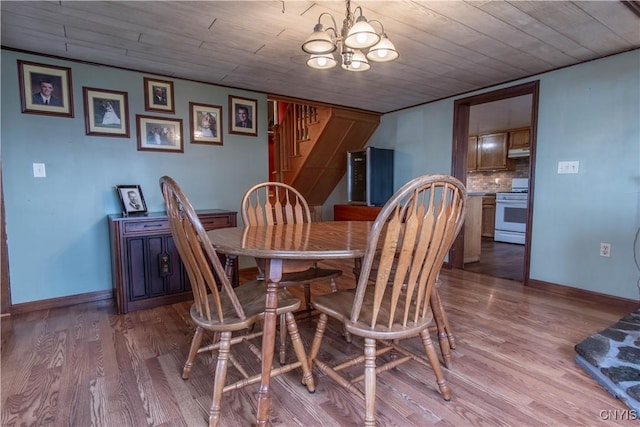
x=511 y=202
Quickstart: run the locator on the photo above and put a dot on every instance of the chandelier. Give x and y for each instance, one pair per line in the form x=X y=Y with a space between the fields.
x=356 y=34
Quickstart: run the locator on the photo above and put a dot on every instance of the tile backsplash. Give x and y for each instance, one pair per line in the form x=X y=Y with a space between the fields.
x=499 y=181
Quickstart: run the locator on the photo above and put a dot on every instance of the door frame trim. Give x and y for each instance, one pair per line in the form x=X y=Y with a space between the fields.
x=461 y=110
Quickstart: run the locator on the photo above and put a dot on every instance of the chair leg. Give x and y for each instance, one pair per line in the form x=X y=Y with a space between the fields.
x=220 y=378
x=445 y=320
x=334 y=287
x=440 y=319
x=369 y=382
x=307 y=296
x=193 y=351
x=283 y=340
x=298 y=348
x=317 y=337
x=435 y=364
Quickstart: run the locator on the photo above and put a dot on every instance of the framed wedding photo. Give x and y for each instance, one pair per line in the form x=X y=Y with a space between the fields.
x=45 y=89
x=205 y=122
x=243 y=114
x=106 y=112
x=158 y=96
x=131 y=200
x=159 y=134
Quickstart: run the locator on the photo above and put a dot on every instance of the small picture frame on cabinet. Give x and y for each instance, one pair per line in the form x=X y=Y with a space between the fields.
x=131 y=200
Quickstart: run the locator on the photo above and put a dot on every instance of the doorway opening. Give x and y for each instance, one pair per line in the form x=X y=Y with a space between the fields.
x=507 y=259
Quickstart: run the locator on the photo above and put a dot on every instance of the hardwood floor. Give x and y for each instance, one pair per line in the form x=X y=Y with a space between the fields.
x=513 y=366
x=498 y=259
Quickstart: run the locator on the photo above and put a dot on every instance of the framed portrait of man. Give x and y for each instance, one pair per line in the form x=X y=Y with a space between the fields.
x=243 y=114
x=45 y=89
x=158 y=96
x=131 y=200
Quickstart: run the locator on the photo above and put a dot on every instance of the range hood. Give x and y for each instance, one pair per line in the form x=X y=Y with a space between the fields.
x=516 y=153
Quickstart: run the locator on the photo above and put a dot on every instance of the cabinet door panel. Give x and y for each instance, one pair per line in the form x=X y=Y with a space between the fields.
x=136 y=268
x=472 y=153
x=174 y=280
x=158 y=266
x=492 y=151
x=519 y=138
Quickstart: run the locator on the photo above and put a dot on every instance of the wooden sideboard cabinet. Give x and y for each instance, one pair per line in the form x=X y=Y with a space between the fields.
x=355 y=212
x=146 y=267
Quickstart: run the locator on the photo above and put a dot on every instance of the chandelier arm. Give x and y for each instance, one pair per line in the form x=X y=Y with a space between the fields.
x=378 y=22
x=335 y=26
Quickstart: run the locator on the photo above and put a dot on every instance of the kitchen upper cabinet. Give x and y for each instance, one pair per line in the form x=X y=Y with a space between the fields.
x=519 y=138
x=488 y=152
x=472 y=153
x=492 y=151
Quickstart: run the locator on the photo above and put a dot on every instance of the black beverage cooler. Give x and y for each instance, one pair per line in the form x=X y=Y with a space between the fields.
x=369 y=176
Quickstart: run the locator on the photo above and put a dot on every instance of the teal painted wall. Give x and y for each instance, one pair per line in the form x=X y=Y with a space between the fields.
x=57 y=232
x=590 y=113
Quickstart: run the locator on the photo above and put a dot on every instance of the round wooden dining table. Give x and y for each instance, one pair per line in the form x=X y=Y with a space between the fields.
x=287 y=248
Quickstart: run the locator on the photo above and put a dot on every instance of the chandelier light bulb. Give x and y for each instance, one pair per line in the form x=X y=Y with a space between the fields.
x=319 y=42
x=358 y=62
x=384 y=51
x=361 y=35
x=322 y=62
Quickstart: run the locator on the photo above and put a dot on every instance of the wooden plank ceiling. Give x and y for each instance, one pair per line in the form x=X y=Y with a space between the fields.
x=446 y=47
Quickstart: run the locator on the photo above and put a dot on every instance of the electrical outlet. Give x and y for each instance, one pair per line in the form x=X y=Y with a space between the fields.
x=605 y=249
x=39 y=170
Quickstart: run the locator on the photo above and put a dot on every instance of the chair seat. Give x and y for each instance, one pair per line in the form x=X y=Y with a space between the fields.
x=309 y=276
x=252 y=298
x=339 y=305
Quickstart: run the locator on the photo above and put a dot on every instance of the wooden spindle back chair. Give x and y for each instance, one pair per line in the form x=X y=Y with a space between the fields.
x=407 y=246
x=220 y=308
x=271 y=203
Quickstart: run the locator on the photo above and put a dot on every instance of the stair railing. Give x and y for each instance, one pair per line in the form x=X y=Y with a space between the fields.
x=292 y=130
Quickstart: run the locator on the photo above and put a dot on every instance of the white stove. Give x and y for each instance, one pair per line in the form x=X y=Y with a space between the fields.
x=511 y=213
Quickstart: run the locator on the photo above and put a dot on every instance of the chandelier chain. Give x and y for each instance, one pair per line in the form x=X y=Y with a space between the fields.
x=348 y=20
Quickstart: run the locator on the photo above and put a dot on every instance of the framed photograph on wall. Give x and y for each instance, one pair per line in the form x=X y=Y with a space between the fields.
x=243 y=114
x=45 y=89
x=205 y=122
x=159 y=134
x=106 y=112
x=158 y=96
x=131 y=200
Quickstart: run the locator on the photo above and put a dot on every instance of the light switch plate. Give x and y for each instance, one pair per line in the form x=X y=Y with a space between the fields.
x=568 y=167
x=39 y=170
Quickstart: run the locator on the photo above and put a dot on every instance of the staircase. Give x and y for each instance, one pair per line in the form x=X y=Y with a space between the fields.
x=311 y=144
